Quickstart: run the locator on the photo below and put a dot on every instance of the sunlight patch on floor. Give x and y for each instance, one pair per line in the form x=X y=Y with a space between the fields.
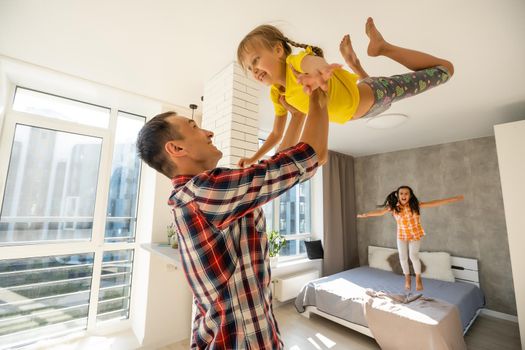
x=314 y=343
x=326 y=341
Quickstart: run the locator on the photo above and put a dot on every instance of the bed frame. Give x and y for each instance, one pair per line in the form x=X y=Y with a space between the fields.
x=464 y=270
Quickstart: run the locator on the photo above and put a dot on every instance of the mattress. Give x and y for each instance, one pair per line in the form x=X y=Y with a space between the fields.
x=343 y=294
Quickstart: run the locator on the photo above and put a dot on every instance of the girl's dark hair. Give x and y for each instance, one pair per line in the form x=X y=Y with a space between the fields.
x=269 y=36
x=393 y=198
x=151 y=140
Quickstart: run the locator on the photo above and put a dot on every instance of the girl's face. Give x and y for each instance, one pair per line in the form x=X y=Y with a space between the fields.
x=266 y=66
x=403 y=196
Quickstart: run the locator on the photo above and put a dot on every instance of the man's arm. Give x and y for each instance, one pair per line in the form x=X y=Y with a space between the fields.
x=293 y=132
x=315 y=131
x=226 y=195
x=295 y=128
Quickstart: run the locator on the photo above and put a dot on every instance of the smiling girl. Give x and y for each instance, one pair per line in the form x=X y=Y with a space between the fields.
x=267 y=54
x=405 y=208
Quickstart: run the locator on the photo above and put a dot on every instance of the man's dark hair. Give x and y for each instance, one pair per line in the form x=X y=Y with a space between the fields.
x=151 y=140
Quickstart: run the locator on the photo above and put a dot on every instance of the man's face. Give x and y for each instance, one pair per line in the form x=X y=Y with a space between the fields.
x=196 y=144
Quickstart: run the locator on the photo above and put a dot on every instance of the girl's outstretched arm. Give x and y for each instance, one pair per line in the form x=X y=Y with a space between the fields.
x=439 y=202
x=273 y=139
x=293 y=132
x=378 y=212
x=318 y=72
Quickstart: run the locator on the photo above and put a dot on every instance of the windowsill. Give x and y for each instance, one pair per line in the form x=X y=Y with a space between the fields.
x=165 y=252
x=295 y=263
x=172 y=256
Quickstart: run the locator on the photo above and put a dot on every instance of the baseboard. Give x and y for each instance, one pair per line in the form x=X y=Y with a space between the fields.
x=499 y=315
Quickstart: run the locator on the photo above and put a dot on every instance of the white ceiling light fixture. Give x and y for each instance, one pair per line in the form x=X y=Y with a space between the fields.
x=386 y=121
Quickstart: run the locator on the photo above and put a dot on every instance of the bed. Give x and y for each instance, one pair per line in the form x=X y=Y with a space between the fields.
x=341 y=297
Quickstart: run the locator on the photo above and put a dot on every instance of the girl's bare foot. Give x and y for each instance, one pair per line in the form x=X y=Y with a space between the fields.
x=419 y=283
x=377 y=42
x=348 y=53
x=408 y=283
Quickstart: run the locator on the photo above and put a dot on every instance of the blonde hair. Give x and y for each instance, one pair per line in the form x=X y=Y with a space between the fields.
x=269 y=36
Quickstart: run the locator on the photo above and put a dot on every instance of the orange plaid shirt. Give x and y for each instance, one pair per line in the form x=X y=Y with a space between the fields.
x=408 y=224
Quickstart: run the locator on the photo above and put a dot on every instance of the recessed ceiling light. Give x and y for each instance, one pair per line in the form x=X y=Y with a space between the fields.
x=386 y=121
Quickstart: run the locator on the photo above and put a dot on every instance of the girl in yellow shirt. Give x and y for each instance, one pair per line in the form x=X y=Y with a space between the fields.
x=267 y=54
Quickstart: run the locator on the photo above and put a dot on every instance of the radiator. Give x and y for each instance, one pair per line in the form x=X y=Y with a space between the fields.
x=287 y=287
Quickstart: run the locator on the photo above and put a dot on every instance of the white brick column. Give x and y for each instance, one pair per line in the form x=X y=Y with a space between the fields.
x=231 y=110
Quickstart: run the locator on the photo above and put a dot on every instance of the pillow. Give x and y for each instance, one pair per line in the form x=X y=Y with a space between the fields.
x=438 y=266
x=378 y=257
x=395 y=265
x=314 y=249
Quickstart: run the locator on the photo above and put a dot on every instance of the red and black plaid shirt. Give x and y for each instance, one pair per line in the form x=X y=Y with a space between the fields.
x=224 y=248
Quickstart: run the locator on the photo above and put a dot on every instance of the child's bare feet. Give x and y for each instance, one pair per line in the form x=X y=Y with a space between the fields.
x=408 y=283
x=348 y=53
x=377 y=42
x=419 y=283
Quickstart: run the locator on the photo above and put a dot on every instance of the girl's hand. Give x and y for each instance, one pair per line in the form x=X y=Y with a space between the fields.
x=361 y=216
x=288 y=107
x=245 y=162
x=460 y=197
x=319 y=79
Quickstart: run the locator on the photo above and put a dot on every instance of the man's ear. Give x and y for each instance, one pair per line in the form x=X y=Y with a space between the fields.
x=173 y=150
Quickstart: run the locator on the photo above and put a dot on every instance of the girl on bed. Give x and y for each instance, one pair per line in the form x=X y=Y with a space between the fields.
x=267 y=54
x=405 y=208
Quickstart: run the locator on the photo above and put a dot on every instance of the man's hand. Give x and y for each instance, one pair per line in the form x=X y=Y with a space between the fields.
x=319 y=79
x=288 y=107
x=245 y=162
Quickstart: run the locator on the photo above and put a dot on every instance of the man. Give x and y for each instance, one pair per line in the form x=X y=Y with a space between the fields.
x=221 y=226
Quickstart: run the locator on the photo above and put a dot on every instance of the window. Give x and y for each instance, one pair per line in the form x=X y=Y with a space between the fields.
x=44 y=295
x=125 y=173
x=290 y=214
x=64 y=265
x=50 y=189
x=35 y=102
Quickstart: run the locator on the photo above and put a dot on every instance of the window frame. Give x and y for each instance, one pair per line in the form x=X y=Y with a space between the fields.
x=96 y=245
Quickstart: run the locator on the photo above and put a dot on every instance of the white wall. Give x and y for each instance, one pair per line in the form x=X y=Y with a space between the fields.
x=162 y=302
x=510 y=143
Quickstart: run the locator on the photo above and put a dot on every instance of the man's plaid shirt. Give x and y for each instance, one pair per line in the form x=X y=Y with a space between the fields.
x=224 y=248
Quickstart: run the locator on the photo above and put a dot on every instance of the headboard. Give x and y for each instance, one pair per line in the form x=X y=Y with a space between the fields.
x=465 y=269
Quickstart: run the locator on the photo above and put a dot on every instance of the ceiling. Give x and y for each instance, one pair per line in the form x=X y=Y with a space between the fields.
x=168 y=49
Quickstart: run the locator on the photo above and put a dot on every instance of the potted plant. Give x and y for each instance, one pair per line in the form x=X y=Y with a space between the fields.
x=276 y=242
x=172 y=236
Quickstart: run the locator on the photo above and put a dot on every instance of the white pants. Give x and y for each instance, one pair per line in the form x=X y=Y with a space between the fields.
x=409 y=247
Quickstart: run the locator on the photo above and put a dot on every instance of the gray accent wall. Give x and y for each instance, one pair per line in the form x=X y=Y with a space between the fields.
x=473 y=228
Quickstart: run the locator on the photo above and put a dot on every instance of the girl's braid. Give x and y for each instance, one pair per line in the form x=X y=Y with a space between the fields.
x=316 y=50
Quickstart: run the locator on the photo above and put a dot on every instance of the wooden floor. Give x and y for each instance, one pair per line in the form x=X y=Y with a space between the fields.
x=300 y=333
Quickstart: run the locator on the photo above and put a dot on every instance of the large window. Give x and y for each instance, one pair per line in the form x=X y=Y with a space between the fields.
x=290 y=214
x=69 y=180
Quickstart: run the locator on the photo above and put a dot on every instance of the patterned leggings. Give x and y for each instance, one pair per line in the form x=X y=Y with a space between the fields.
x=391 y=89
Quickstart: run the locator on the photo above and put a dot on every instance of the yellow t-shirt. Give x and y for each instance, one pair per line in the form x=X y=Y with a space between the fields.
x=343 y=95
